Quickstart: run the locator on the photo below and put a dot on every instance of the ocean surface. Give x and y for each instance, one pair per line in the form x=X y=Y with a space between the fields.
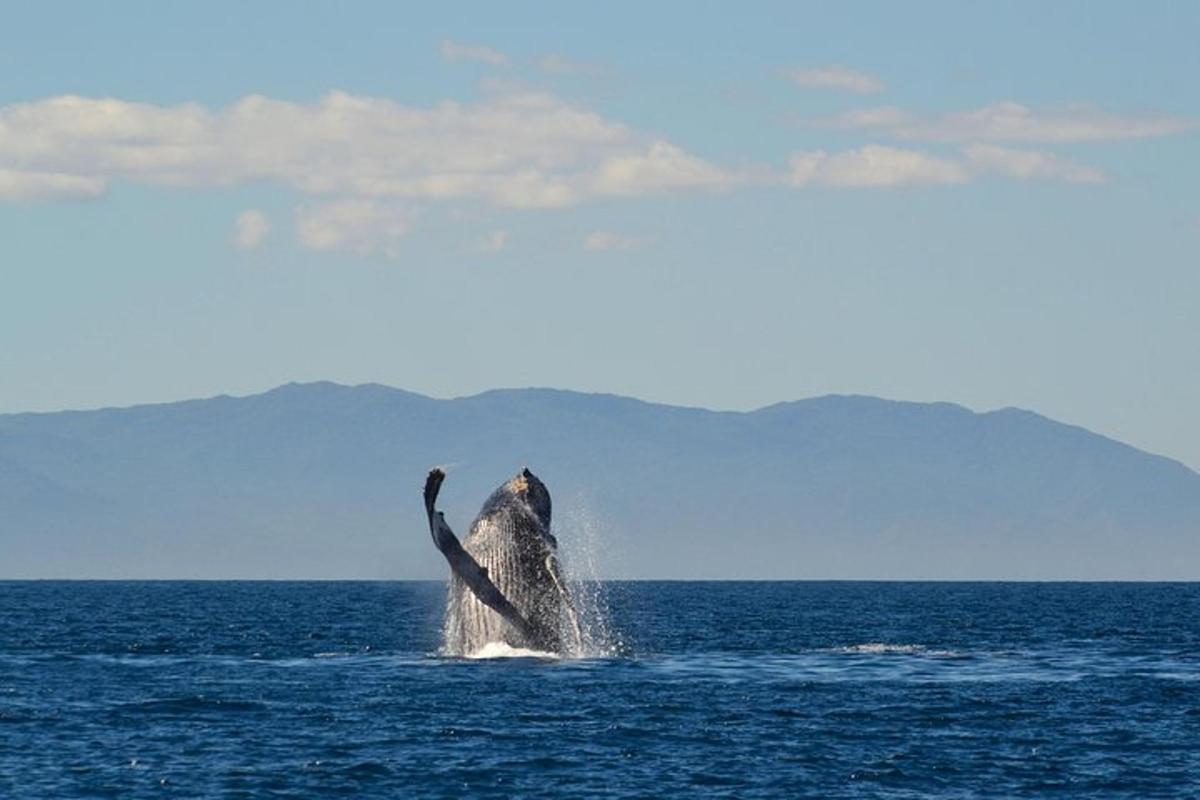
x=316 y=690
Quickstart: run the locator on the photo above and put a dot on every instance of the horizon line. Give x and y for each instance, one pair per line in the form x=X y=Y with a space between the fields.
x=618 y=580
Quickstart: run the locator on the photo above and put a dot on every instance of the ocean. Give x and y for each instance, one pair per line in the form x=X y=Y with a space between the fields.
x=808 y=689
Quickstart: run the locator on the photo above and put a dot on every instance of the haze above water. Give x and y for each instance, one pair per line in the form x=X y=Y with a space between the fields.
x=323 y=481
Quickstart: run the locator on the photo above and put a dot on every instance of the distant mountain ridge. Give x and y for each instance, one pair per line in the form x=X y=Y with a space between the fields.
x=323 y=481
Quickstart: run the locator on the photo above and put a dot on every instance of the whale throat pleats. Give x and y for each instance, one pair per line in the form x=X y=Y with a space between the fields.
x=506 y=585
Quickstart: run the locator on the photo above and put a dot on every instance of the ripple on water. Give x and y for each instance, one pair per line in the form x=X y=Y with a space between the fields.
x=189 y=705
x=736 y=690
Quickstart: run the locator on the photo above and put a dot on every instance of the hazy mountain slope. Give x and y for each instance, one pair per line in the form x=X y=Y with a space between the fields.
x=321 y=480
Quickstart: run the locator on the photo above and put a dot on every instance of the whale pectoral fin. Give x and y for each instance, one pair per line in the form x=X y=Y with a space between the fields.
x=569 y=604
x=463 y=564
x=433 y=485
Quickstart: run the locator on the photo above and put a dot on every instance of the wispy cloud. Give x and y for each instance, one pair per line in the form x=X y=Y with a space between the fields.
x=663 y=167
x=459 y=52
x=608 y=240
x=249 y=229
x=363 y=227
x=1029 y=164
x=523 y=149
x=880 y=166
x=1010 y=122
x=369 y=161
x=835 y=77
x=874 y=166
x=39 y=185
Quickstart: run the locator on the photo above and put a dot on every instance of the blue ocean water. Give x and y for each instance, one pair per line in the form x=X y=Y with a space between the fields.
x=214 y=689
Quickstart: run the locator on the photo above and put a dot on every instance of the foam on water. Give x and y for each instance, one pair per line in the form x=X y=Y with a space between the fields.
x=884 y=648
x=505 y=650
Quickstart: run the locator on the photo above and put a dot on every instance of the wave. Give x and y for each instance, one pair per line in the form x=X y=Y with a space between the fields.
x=884 y=648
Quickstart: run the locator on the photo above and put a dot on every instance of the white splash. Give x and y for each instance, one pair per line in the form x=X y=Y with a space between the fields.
x=505 y=650
x=580 y=537
x=883 y=648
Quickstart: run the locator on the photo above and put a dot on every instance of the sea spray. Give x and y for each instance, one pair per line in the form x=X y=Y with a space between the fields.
x=581 y=540
x=585 y=628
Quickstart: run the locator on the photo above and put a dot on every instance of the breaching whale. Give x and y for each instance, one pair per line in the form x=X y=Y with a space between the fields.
x=505 y=584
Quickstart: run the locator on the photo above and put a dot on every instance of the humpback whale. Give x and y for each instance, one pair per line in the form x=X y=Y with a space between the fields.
x=505 y=581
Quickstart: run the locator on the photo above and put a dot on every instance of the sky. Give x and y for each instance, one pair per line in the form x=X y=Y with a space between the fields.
x=989 y=204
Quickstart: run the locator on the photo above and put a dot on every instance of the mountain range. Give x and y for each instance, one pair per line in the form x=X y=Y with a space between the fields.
x=321 y=480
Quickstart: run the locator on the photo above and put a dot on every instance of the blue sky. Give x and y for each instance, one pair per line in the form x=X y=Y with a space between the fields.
x=992 y=205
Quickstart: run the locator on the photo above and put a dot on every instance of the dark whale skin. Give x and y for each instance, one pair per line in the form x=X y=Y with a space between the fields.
x=509 y=551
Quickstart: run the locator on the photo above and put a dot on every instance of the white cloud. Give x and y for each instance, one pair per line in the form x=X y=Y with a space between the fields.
x=494 y=243
x=1029 y=164
x=34 y=185
x=1010 y=122
x=664 y=167
x=514 y=148
x=363 y=227
x=523 y=149
x=878 y=166
x=607 y=240
x=835 y=77
x=874 y=166
x=249 y=229
x=458 y=52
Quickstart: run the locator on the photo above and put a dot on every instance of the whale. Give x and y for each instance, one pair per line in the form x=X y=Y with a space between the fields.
x=506 y=584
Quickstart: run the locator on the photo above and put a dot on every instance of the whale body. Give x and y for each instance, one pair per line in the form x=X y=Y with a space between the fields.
x=506 y=585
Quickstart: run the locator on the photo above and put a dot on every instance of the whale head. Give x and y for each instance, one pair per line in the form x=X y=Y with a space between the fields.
x=528 y=489
x=523 y=496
